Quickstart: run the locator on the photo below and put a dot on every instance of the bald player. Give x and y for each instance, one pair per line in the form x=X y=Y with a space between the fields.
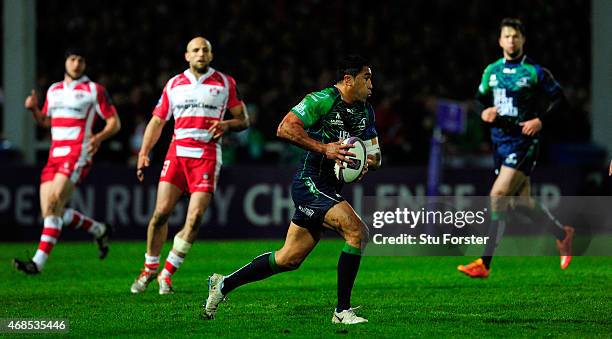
x=197 y=99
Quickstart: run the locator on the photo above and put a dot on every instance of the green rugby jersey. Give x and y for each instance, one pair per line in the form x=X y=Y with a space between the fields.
x=514 y=88
x=327 y=118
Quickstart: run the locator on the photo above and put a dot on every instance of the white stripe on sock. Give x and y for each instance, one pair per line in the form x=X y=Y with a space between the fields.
x=40 y=258
x=174 y=259
x=97 y=229
x=53 y=221
x=151 y=260
x=48 y=238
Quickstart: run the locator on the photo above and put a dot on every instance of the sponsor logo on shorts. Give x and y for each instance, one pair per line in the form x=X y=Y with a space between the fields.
x=511 y=159
x=309 y=212
x=311 y=187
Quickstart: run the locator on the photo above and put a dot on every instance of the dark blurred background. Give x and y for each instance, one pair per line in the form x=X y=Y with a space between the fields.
x=280 y=50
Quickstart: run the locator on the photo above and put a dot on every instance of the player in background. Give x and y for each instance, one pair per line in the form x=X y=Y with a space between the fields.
x=70 y=110
x=197 y=99
x=610 y=169
x=507 y=97
x=316 y=124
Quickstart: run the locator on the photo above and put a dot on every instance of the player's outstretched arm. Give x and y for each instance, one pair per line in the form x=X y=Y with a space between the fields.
x=151 y=136
x=113 y=125
x=239 y=122
x=610 y=170
x=31 y=103
x=292 y=130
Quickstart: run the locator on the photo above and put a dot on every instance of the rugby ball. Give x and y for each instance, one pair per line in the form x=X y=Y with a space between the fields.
x=352 y=171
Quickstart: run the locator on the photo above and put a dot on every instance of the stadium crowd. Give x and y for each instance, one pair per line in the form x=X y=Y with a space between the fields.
x=278 y=50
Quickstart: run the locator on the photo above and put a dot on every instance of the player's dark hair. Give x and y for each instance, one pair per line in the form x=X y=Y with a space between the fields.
x=351 y=65
x=514 y=23
x=74 y=51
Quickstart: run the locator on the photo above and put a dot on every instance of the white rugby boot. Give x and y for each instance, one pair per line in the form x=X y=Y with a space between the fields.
x=348 y=317
x=143 y=280
x=215 y=297
x=165 y=284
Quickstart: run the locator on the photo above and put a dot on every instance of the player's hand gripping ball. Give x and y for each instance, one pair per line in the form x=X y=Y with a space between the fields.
x=350 y=172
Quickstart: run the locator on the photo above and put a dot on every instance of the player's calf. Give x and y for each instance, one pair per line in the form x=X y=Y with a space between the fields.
x=357 y=237
x=285 y=262
x=262 y=267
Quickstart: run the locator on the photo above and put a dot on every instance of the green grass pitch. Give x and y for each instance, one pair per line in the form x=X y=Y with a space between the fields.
x=401 y=296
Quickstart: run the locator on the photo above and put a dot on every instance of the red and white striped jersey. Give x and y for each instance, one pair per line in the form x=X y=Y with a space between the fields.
x=195 y=104
x=72 y=108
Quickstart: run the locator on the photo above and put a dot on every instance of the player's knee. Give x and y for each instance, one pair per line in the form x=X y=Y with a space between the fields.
x=499 y=192
x=357 y=241
x=365 y=235
x=164 y=208
x=357 y=236
x=353 y=239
